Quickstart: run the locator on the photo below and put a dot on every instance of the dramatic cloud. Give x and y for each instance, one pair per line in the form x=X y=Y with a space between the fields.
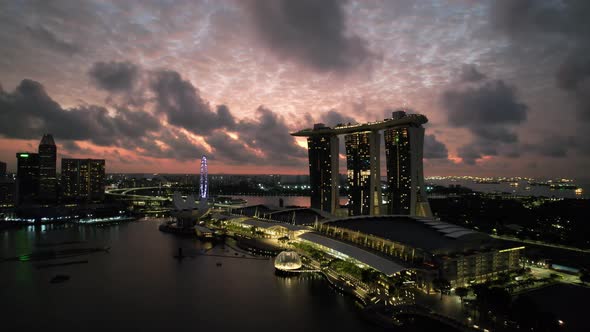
x=114 y=76
x=29 y=112
x=269 y=133
x=434 y=149
x=469 y=73
x=333 y=118
x=47 y=37
x=223 y=59
x=491 y=104
x=491 y=111
x=574 y=76
x=522 y=17
x=183 y=106
x=311 y=32
x=531 y=22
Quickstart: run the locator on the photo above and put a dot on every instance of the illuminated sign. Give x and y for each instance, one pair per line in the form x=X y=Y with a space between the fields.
x=24 y=155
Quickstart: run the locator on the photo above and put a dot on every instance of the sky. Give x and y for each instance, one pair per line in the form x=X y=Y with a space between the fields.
x=150 y=86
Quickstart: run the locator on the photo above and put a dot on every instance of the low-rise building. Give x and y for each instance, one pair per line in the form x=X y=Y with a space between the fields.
x=439 y=249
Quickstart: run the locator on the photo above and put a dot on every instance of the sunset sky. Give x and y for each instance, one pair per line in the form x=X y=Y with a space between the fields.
x=152 y=85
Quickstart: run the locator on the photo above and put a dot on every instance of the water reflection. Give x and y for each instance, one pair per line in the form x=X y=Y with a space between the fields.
x=139 y=286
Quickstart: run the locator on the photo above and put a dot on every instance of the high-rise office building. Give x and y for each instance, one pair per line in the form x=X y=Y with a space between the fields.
x=7 y=188
x=83 y=180
x=7 y=193
x=2 y=169
x=362 y=162
x=27 y=177
x=406 y=193
x=47 y=170
x=323 y=171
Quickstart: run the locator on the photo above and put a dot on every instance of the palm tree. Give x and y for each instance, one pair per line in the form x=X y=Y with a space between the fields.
x=441 y=285
x=461 y=292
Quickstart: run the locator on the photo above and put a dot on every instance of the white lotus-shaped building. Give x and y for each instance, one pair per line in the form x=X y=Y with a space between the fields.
x=287 y=261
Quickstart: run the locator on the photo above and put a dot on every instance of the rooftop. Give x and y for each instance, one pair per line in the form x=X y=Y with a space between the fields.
x=47 y=140
x=376 y=262
x=264 y=224
x=410 y=119
x=424 y=233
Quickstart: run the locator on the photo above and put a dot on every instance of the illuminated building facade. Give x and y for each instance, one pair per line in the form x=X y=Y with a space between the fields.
x=83 y=180
x=323 y=171
x=437 y=249
x=7 y=190
x=47 y=170
x=362 y=162
x=406 y=193
x=363 y=141
x=27 y=177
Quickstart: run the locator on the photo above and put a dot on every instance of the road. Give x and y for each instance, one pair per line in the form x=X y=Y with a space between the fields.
x=540 y=243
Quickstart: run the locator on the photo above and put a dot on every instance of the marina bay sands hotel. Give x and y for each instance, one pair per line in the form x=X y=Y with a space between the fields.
x=405 y=193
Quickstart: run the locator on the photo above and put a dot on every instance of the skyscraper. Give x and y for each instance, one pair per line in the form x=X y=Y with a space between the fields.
x=404 y=139
x=323 y=171
x=83 y=180
x=406 y=193
x=7 y=188
x=362 y=162
x=27 y=177
x=47 y=170
x=2 y=169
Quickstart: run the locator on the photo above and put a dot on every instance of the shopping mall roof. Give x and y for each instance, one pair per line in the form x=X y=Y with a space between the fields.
x=266 y=224
x=424 y=233
x=376 y=262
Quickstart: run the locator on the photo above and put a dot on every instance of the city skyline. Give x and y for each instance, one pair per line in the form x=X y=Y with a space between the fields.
x=191 y=84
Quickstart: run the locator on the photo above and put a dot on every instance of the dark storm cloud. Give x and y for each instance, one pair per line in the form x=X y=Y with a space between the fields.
x=531 y=22
x=29 y=112
x=434 y=149
x=46 y=37
x=311 y=32
x=230 y=149
x=264 y=138
x=114 y=76
x=469 y=73
x=523 y=17
x=489 y=104
x=333 y=118
x=469 y=154
x=180 y=146
x=269 y=133
x=574 y=76
x=491 y=111
x=183 y=106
